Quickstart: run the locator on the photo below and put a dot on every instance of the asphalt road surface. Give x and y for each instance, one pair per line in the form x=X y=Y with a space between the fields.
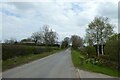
x=58 y=65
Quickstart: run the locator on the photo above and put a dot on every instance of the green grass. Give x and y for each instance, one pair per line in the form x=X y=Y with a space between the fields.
x=17 y=61
x=90 y=67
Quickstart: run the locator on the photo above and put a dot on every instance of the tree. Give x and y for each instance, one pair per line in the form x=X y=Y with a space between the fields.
x=76 y=41
x=99 y=30
x=88 y=40
x=49 y=36
x=45 y=35
x=37 y=36
x=52 y=37
x=10 y=41
x=65 y=42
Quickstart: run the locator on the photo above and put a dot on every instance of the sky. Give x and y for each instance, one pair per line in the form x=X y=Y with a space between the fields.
x=20 y=19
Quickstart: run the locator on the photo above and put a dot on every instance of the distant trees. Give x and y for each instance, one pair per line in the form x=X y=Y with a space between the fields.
x=49 y=36
x=66 y=42
x=37 y=37
x=45 y=35
x=77 y=41
x=10 y=41
x=98 y=31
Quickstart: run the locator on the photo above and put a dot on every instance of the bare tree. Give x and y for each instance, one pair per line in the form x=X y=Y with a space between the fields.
x=37 y=37
x=52 y=37
x=49 y=36
x=45 y=35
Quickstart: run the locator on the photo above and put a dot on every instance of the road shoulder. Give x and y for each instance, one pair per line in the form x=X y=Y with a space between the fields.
x=87 y=74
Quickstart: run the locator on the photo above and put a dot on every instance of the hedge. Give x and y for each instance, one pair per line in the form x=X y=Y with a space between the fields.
x=11 y=51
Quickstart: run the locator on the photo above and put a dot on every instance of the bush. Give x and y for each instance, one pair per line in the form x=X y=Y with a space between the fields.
x=112 y=47
x=90 y=50
x=106 y=61
x=112 y=50
x=11 y=51
x=92 y=61
x=38 y=50
x=81 y=60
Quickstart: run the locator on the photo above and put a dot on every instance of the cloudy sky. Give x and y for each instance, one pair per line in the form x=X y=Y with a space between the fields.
x=20 y=19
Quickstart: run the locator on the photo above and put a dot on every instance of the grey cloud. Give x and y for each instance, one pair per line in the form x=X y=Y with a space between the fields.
x=63 y=19
x=119 y=17
x=22 y=5
x=108 y=9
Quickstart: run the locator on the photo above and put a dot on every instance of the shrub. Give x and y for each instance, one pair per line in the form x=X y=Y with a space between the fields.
x=11 y=51
x=111 y=48
x=90 y=51
x=81 y=60
x=106 y=61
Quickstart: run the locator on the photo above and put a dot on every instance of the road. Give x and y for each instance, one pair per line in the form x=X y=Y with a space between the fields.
x=87 y=74
x=58 y=65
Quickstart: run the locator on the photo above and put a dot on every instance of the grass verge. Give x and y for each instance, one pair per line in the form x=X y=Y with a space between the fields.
x=90 y=67
x=17 y=61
